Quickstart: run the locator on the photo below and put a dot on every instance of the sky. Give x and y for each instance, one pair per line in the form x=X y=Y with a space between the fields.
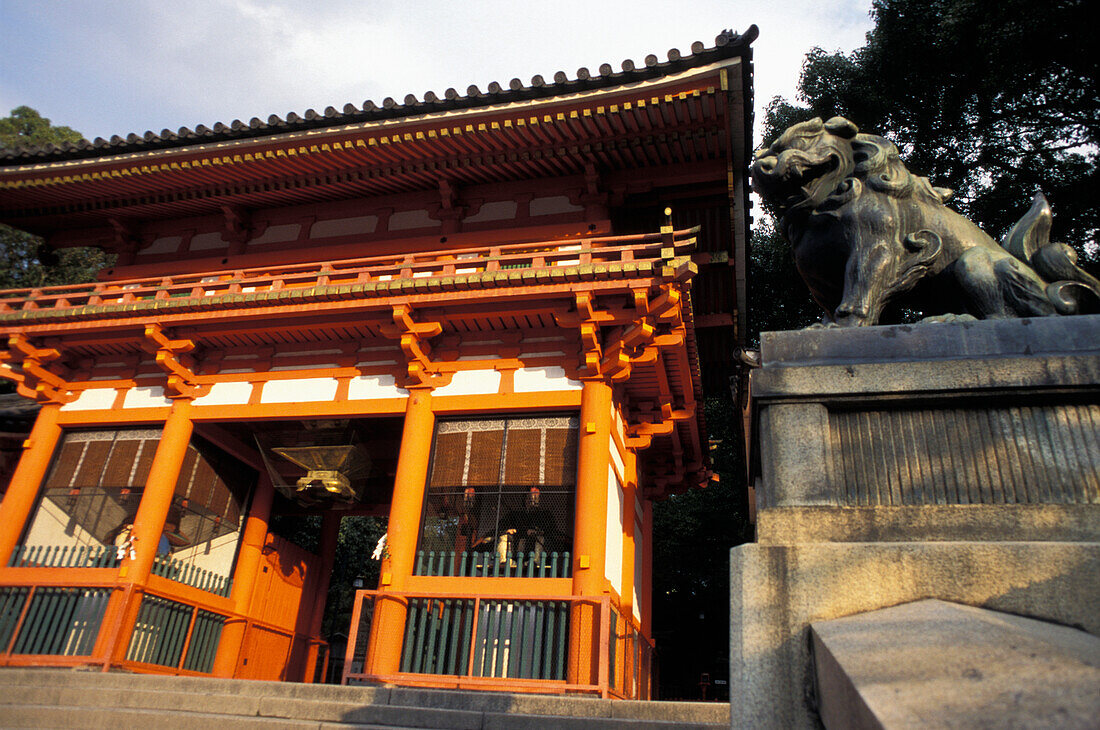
x=106 y=67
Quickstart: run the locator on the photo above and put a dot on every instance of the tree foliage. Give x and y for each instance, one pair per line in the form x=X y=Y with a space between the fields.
x=25 y=260
x=993 y=101
x=693 y=533
x=778 y=298
x=28 y=263
x=26 y=128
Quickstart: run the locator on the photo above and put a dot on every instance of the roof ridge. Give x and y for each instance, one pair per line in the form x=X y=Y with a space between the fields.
x=727 y=44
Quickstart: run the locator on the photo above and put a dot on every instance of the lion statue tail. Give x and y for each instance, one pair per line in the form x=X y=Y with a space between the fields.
x=1071 y=289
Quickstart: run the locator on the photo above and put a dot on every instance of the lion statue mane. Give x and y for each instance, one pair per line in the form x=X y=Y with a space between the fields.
x=864 y=230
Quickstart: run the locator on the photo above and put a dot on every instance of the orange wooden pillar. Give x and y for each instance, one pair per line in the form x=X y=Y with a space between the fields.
x=626 y=604
x=29 y=474
x=330 y=535
x=249 y=560
x=388 y=626
x=156 y=500
x=589 y=529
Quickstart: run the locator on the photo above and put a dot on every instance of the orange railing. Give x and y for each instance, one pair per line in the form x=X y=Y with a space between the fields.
x=441 y=264
x=504 y=642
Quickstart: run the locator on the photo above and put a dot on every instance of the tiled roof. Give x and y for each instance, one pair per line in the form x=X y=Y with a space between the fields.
x=727 y=45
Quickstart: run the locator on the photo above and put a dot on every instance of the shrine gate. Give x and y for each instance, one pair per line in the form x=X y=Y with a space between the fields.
x=489 y=317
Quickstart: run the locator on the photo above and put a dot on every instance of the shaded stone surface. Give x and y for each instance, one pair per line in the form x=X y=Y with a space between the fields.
x=958 y=462
x=995 y=412
x=36 y=698
x=777 y=591
x=937 y=664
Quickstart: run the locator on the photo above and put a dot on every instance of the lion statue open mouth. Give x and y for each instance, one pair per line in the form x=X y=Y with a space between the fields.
x=865 y=230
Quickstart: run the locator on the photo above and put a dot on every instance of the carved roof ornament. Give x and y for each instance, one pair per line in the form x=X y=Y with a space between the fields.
x=864 y=231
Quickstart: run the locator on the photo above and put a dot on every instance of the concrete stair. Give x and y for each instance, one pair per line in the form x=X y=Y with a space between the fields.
x=65 y=698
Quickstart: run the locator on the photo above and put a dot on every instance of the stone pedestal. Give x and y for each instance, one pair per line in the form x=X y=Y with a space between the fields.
x=958 y=462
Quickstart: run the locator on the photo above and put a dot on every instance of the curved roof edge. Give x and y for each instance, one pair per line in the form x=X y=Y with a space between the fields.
x=726 y=45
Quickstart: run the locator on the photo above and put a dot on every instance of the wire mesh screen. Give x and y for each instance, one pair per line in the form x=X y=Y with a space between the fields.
x=500 y=495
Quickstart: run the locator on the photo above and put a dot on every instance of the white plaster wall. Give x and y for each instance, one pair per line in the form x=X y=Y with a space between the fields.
x=164 y=244
x=145 y=397
x=406 y=219
x=93 y=399
x=538 y=380
x=617 y=460
x=48 y=528
x=553 y=205
x=344 y=226
x=216 y=555
x=311 y=366
x=226 y=394
x=472 y=382
x=613 y=555
x=305 y=390
x=207 y=241
x=498 y=210
x=374 y=386
x=277 y=234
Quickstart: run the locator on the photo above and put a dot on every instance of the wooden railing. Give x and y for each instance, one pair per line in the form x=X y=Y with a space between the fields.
x=504 y=642
x=475 y=638
x=493 y=564
x=67 y=556
x=106 y=556
x=440 y=265
x=174 y=634
x=192 y=575
x=60 y=625
x=49 y=620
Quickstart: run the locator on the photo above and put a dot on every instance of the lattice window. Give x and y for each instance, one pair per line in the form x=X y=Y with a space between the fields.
x=93 y=492
x=501 y=490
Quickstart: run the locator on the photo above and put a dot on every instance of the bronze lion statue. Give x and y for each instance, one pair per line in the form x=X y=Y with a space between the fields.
x=865 y=230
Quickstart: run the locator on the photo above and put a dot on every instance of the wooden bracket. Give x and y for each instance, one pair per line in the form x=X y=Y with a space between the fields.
x=126 y=241
x=40 y=379
x=238 y=227
x=413 y=338
x=171 y=356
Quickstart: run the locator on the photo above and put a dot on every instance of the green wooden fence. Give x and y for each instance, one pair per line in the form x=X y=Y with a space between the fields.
x=486 y=638
x=173 y=634
x=493 y=564
x=192 y=575
x=55 y=621
x=58 y=556
x=67 y=556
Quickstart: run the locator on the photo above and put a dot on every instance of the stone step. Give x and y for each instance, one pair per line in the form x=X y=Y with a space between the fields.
x=46 y=697
x=47 y=716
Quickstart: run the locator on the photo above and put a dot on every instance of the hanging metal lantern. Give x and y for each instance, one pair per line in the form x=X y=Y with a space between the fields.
x=329 y=469
x=336 y=464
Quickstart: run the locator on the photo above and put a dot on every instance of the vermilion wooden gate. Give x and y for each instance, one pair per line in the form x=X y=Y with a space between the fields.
x=276 y=643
